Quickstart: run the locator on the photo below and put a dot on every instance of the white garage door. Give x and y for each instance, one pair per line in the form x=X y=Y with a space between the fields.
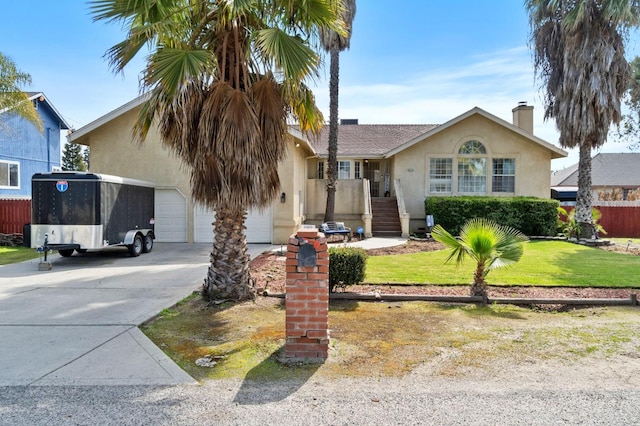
x=171 y=216
x=259 y=226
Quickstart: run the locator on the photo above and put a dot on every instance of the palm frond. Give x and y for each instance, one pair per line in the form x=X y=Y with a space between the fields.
x=288 y=53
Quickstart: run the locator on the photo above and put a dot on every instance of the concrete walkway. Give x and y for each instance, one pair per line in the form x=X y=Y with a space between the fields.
x=77 y=324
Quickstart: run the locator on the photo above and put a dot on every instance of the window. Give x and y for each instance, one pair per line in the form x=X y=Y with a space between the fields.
x=472 y=148
x=504 y=175
x=356 y=170
x=344 y=170
x=320 y=169
x=9 y=175
x=440 y=174
x=472 y=175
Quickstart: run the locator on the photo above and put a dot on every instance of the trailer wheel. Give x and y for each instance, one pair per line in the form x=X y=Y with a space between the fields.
x=136 y=248
x=65 y=252
x=147 y=243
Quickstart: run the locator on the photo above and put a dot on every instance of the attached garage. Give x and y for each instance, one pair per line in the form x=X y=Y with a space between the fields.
x=259 y=226
x=171 y=216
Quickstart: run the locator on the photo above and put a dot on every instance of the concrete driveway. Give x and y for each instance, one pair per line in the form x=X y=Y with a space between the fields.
x=77 y=323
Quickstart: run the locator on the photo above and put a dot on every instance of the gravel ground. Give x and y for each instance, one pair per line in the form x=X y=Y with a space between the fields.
x=603 y=392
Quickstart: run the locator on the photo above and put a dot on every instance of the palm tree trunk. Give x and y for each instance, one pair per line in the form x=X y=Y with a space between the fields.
x=584 y=198
x=479 y=286
x=228 y=276
x=332 y=166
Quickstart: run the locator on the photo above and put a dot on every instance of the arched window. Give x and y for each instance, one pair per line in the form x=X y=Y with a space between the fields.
x=472 y=168
x=472 y=147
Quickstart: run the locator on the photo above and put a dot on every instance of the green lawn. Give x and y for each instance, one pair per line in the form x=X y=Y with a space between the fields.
x=544 y=263
x=16 y=254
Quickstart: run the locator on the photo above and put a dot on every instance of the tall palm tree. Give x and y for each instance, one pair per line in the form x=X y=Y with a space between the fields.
x=579 y=56
x=490 y=245
x=222 y=79
x=335 y=42
x=12 y=97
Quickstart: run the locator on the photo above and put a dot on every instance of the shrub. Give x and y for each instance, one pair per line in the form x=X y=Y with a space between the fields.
x=347 y=266
x=529 y=215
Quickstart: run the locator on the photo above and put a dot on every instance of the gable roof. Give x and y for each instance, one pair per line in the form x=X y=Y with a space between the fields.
x=607 y=169
x=112 y=115
x=43 y=99
x=386 y=140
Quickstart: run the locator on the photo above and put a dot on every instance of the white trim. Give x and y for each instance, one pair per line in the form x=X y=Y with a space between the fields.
x=107 y=118
x=8 y=163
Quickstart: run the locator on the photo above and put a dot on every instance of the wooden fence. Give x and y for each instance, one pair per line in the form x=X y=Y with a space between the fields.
x=619 y=220
x=13 y=215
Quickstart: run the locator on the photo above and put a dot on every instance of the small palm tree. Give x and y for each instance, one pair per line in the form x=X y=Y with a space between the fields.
x=489 y=244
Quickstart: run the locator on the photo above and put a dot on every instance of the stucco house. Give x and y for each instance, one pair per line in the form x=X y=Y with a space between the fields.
x=385 y=172
x=614 y=177
x=24 y=150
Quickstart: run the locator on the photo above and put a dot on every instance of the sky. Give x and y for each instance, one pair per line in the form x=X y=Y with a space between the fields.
x=410 y=62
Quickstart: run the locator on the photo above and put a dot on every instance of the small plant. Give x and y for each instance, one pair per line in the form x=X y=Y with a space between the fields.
x=570 y=228
x=489 y=244
x=347 y=266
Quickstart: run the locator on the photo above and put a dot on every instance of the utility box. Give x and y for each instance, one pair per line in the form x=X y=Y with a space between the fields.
x=88 y=211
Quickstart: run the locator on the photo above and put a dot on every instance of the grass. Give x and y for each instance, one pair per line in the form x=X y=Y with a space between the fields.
x=390 y=339
x=16 y=254
x=544 y=263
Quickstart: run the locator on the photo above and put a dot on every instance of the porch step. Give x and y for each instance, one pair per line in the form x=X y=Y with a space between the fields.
x=385 y=221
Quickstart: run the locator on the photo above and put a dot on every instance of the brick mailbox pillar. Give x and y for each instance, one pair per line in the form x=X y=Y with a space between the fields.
x=307 y=298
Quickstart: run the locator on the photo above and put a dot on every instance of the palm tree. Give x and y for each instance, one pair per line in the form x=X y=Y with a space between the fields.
x=579 y=56
x=490 y=245
x=335 y=42
x=629 y=130
x=222 y=79
x=12 y=98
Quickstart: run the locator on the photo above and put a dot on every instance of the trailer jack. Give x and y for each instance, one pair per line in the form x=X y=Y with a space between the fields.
x=44 y=265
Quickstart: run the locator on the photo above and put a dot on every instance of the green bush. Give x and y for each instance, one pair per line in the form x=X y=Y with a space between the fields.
x=347 y=266
x=531 y=216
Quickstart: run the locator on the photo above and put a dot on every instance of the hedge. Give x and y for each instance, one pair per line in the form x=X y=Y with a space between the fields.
x=347 y=266
x=531 y=216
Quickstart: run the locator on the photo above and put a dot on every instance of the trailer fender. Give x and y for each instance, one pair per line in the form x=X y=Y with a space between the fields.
x=129 y=237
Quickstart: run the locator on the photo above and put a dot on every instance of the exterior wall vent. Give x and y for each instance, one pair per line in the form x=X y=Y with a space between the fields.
x=348 y=121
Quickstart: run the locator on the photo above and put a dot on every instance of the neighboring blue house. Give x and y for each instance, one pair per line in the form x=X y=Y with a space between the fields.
x=25 y=151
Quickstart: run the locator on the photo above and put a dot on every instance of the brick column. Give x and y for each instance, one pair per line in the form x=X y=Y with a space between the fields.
x=307 y=298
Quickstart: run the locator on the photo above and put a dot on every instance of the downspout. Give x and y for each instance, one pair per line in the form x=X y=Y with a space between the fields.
x=48 y=149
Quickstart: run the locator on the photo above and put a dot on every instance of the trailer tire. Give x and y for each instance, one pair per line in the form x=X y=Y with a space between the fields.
x=65 y=252
x=136 y=248
x=147 y=243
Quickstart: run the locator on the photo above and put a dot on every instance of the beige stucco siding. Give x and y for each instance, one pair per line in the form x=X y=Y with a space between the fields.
x=411 y=165
x=114 y=151
x=288 y=216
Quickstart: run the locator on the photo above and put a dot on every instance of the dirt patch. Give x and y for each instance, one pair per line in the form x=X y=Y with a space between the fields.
x=268 y=270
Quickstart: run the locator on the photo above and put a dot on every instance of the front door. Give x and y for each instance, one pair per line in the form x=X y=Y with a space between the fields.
x=372 y=172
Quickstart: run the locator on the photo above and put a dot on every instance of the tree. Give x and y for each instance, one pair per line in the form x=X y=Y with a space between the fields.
x=73 y=158
x=85 y=156
x=222 y=79
x=490 y=245
x=629 y=129
x=335 y=42
x=579 y=56
x=12 y=97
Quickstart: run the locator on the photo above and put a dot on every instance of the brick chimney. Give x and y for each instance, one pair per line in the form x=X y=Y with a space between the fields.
x=523 y=116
